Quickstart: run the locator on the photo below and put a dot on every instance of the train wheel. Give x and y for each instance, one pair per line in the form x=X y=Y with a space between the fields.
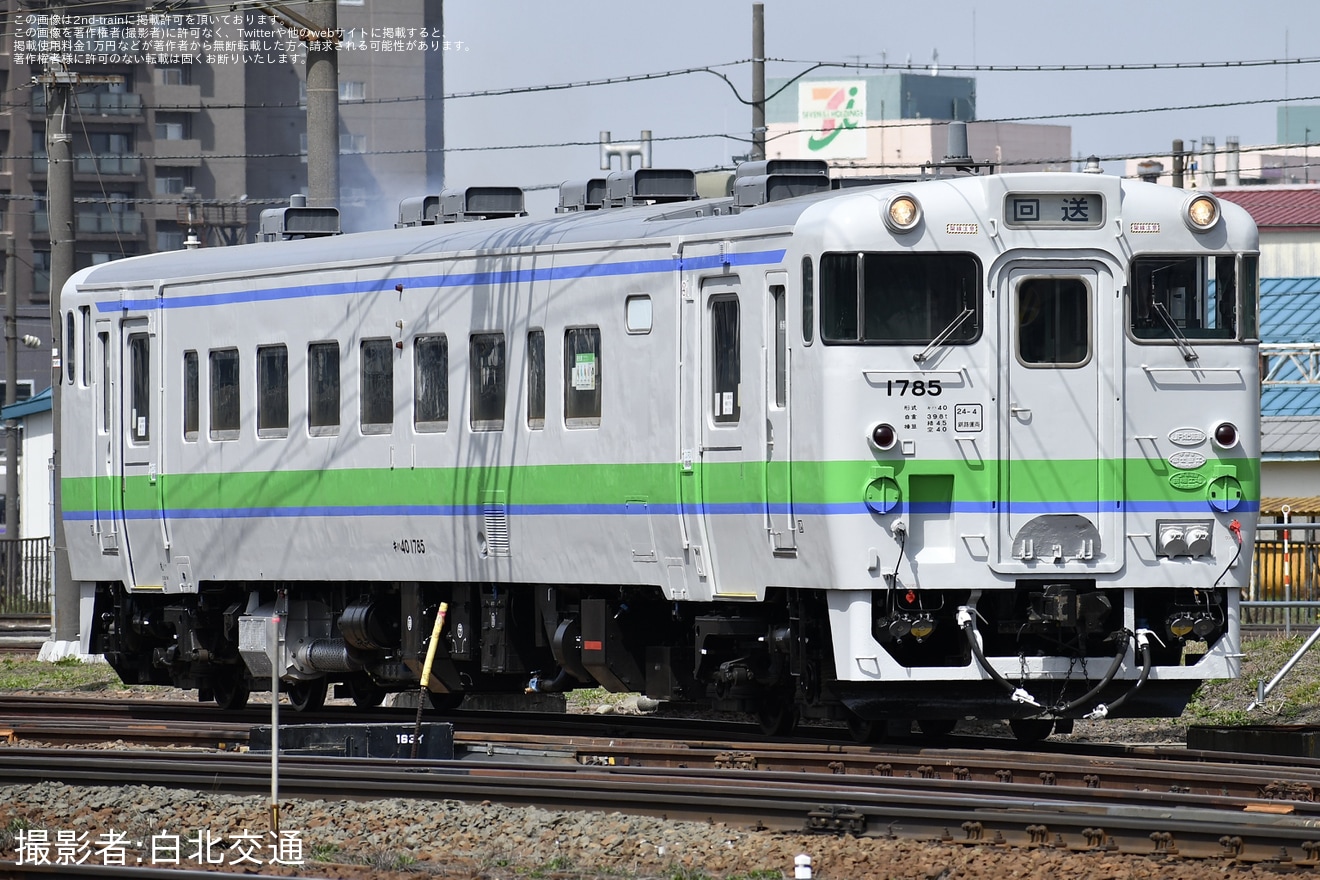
x=937 y=726
x=230 y=690
x=864 y=731
x=366 y=693
x=445 y=702
x=1031 y=730
x=307 y=696
x=777 y=717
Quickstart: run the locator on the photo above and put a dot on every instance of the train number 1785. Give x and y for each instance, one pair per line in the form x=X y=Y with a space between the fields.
x=915 y=387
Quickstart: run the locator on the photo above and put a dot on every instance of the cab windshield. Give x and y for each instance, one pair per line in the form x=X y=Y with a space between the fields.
x=899 y=299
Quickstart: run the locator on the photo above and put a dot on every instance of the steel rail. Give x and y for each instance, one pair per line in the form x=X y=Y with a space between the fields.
x=1148 y=823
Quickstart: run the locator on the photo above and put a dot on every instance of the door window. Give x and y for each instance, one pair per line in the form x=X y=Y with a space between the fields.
x=1053 y=322
x=139 y=348
x=726 y=360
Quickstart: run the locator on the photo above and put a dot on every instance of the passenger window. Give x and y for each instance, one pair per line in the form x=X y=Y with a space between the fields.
x=1195 y=297
x=777 y=302
x=727 y=356
x=191 y=394
x=582 y=377
x=70 y=346
x=323 y=389
x=377 y=391
x=638 y=313
x=139 y=428
x=536 y=379
x=486 y=367
x=808 y=301
x=430 y=383
x=105 y=381
x=86 y=313
x=273 y=391
x=1053 y=320
x=225 y=409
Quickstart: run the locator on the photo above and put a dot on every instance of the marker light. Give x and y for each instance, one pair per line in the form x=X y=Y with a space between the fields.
x=1226 y=435
x=1202 y=213
x=883 y=437
x=1180 y=625
x=903 y=213
x=922 y=627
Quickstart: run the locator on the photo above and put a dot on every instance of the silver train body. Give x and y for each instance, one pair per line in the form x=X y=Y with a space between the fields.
x=977 y=446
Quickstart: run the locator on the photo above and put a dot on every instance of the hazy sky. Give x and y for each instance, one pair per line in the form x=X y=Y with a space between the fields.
x=528 y=43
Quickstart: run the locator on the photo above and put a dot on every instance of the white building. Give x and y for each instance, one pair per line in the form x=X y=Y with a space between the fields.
x=892 y=124
x=36 y=422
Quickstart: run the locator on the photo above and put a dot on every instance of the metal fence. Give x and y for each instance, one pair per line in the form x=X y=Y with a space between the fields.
x=1285 y=576
x=24 y=576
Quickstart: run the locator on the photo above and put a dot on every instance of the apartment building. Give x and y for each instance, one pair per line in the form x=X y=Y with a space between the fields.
x=189 y=118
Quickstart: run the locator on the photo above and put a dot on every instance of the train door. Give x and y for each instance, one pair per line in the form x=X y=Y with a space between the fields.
x=107 y=502
x=731 y=418
x=690 y=415
x=139 y=438
x=778 y=420
x=1057 y=483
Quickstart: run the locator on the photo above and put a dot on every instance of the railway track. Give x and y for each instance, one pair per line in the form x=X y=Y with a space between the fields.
x=957 y=812
x=1152 y=801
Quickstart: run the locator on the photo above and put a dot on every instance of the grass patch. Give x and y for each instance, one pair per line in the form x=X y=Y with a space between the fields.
x=1295 y=698
x=67 y=674
x=584 y=699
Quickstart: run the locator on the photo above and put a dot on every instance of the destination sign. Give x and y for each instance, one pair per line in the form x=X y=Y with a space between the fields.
x=1054 y=210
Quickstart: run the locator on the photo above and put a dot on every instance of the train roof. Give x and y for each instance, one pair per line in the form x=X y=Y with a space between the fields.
x=696 y=219
x=660 y=222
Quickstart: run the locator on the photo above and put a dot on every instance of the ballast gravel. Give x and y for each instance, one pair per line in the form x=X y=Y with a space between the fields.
x=391 y=839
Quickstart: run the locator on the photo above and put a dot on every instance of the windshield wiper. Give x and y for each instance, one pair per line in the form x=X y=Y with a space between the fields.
x=944 y=334
x=1189 y=354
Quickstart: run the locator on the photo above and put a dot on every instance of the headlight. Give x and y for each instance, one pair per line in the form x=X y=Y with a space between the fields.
x=1202 y=213
x=903 y=213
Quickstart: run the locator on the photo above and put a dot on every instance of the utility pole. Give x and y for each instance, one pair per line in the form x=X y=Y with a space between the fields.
x=758 y=81
x=323 y=105
x=12 y=545
x=319 y=29
x=59 y=82
x=59 y=195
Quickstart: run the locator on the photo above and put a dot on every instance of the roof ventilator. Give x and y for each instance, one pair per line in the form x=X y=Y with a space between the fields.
x=581 y=195
x=297 y=221
x=462 y=205
x=649 y=186
x=481 y=203
x=771 y=180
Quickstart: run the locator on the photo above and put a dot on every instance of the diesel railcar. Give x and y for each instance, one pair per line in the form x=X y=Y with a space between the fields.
x=982 y=445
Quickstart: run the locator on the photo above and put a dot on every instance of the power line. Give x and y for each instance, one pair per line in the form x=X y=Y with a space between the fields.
x=1059 y=68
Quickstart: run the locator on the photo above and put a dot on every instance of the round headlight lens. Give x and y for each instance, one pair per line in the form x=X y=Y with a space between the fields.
x=1202 y=213
x=903 y=213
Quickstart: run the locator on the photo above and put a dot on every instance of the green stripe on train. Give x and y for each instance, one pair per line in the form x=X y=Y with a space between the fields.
x=604 y=483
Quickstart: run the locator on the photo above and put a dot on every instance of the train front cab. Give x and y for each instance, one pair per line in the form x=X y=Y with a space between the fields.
x=1057 y=532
